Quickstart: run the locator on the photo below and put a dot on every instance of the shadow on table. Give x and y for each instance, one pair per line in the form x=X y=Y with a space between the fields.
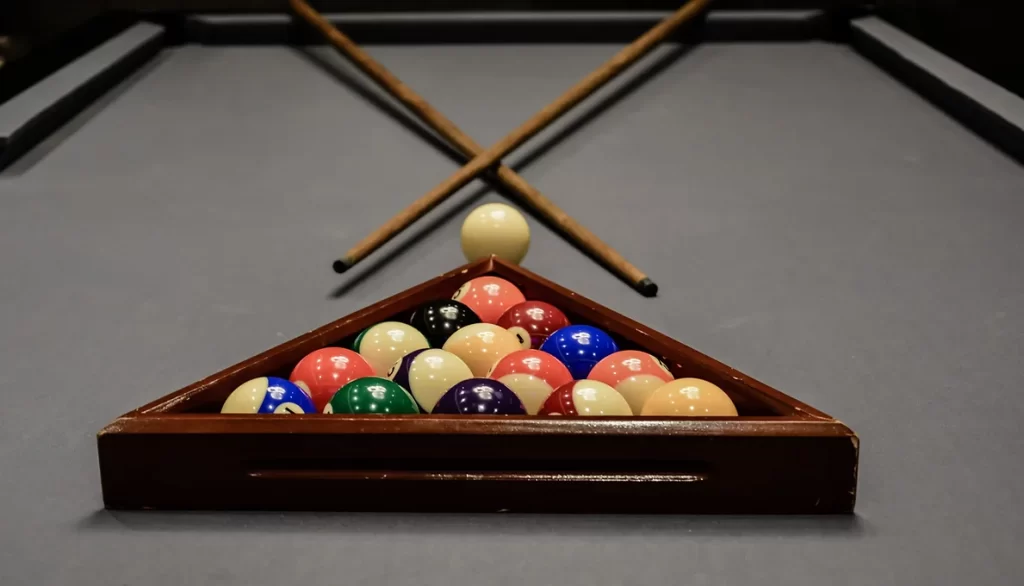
x=475 y=524
x=387 y=106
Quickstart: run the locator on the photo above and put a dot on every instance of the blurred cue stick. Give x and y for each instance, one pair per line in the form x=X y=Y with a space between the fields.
x=484 y=159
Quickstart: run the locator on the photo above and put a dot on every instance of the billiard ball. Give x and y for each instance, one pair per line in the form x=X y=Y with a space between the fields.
x=580 y=348
x=438 y=320
x=531 y=374
x=536 y=319
x=383 y=344
x=689 y=397
x=428 y=374
x=489 y=297
x=268 y=394
x=481 y=345
x=322 y=372
x=479 y=396
x=635 y=375
x=498 y=229
x=586 y=398
x=372 y=395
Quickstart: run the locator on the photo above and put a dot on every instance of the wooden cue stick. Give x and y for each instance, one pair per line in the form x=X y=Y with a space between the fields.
x=570 y=228
x=538 y=122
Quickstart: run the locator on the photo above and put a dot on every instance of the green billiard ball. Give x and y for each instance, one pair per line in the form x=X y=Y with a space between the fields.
x=359 y=339
x=372 y=395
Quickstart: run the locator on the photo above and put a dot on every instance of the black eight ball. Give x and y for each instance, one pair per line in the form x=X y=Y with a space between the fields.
x=438 y=320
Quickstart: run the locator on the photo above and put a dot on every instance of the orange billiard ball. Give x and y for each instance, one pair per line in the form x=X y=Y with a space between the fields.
x=489 y=297
x=687 y=397
x=634 y=374
x=481 y=345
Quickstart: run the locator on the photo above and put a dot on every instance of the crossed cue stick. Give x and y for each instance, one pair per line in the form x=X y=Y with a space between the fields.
x=483 y=159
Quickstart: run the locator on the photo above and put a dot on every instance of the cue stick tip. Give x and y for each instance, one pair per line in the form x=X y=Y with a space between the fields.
x=647 y=287
x=341 y=265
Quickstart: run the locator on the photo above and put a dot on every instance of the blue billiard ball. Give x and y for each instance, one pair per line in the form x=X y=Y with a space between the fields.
x=579 y=348
x=268 y=394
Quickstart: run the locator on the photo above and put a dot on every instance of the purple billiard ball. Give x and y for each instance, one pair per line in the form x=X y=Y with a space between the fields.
x=479 y=396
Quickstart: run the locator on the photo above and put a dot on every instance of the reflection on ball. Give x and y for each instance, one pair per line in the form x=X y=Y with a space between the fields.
x=489 y=297
x=322 y=372
x=383 y=344
x=372 y=395
x=587 y=398
x=481 y=345
x=498 y=229
x=428 y=374
x=689 y=397
x=479 y=396
x=580 y=348
x=536 y=319
x=635 y=375
x=531 y=374
x=437 y=320
x=268 y=394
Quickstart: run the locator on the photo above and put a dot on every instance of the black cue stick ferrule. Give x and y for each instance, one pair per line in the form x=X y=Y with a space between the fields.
x=647 y=287
x=341 y=265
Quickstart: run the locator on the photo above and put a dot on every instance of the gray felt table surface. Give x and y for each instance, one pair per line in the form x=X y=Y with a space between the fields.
x=810 y=221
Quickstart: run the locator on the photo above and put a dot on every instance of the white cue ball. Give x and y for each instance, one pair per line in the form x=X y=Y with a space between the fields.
x=498 y=229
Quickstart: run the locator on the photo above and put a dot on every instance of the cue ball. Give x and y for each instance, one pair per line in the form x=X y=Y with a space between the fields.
x=498 y=229
x=438 y=320
x=322 y=372
x=383 y=344
x=635 y=375
x=268 y=394
x=689 y=397
x=481 y=345
x=479 y=396
x=536 y=319
x=580 y=348
x=489 y=297
x=531 y=374
x=428 y=374
x=372 y=395
x=586 y=398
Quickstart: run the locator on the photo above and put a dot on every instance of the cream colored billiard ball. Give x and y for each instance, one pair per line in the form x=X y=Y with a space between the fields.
x=428 y=374
x=498 y=229
x=481 y=345
x=587 y=398
x=385 y=343
x=687 y=397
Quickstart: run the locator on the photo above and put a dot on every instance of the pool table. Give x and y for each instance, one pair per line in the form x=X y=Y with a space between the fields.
x=813 y=215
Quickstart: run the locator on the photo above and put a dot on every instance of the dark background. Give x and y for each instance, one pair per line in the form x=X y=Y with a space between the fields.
x=978 y=33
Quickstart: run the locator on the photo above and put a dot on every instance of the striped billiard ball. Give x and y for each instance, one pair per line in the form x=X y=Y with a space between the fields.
x=268 y=394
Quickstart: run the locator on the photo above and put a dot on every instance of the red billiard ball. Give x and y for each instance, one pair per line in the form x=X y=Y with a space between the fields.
x=536 y=319
x=586 y=398
x=531 y=374
x=322 y=372
x=489 y=297
x=634 y=374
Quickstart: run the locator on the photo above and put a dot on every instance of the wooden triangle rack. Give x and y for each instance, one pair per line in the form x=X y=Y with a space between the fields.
x=779 y=456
